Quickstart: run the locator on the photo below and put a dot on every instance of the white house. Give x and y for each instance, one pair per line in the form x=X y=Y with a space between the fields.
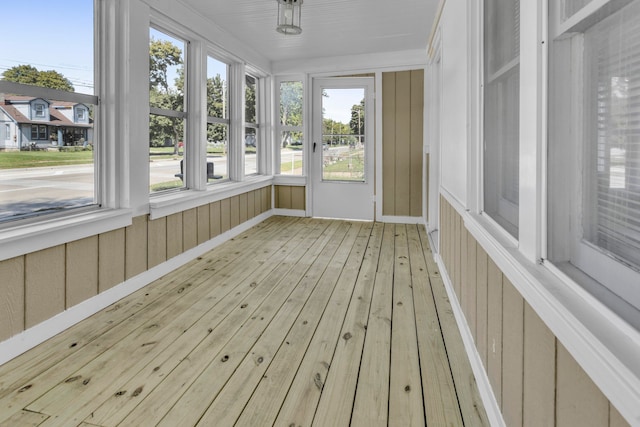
x=27 y=120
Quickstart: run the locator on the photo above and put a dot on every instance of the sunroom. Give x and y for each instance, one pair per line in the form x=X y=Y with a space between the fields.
x=325 y=213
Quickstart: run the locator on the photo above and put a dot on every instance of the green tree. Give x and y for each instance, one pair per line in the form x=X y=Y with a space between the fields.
x=290 y=108
x=30 y=75
x=163 y=56
x=217 y=107
x=357 y=120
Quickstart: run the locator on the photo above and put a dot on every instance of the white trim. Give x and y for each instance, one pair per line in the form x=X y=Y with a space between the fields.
x=28 y=339
x=494 y=414
x=378 y=150
x=294 y=180
x=290 y=212
x=179 y=201
x=32 y=236
x=353 y=64
x=390 y=219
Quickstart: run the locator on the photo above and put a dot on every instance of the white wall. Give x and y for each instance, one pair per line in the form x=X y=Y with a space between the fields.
x=454 y=124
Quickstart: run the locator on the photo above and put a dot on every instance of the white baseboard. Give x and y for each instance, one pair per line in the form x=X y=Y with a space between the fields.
x=390 y=219
x=290 y=212
x=484 y=386
x=35 y=335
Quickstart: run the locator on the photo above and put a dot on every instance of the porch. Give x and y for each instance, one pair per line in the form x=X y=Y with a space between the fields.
x=297 y=321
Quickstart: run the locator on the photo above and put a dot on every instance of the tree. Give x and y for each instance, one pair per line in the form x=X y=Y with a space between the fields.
x=163 y=55
x=290 y=108
x=357 y=121
x=30 y=75
x=216 y=107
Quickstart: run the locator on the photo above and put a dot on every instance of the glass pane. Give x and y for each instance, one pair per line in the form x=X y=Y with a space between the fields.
x=166 y=153
x=291 y=156
x=570 y=7
x=217 y=150
x=611 y=196
x=343 y=138
x=166 y=71
x=502 y=34
x=250 y=99
x=250 y=151
x=47 y=146
x=291 y=103
x=217 y=89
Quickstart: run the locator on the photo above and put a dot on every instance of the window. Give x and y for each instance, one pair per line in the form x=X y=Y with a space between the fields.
x=289 y=128
x=217 y=118
x=501 y=112
x=39 y=110
x=594 y=147
x=251 y=135
x=80 y=115
x=38 y=132
x=167 y=121
x=68 y=75
x=7 y=132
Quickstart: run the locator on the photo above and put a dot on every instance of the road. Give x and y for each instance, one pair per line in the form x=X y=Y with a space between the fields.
x=24 y=191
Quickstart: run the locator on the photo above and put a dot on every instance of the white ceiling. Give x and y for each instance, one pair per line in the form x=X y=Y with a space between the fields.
x=329 y=27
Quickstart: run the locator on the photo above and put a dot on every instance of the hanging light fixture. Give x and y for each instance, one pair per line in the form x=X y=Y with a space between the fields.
x=289 y=15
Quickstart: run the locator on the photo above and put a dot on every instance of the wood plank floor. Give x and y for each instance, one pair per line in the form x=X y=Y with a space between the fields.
x=296 y=322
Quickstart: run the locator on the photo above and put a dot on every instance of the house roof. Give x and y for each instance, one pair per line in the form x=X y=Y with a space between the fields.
x=56 y=117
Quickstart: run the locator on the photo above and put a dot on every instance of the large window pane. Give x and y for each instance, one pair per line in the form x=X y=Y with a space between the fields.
x=291 y=128
x=611 y=200
x=217 y=119
x=343 y=135
x=251 y=135
x=167 y=143
x=501 y=112
x=47 y=145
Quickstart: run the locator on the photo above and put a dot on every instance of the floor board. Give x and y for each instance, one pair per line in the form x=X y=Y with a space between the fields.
x=297 y=321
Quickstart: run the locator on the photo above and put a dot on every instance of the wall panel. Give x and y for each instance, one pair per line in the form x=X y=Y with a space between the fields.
x=44 y=284
x=111 y=259
x=190 y=229
x=136 y=247
x=579 y=402
x=158 y=233
x=12 y=300
x=81 y=270
x=402 y=142
x=174 y=235
x=204 y=223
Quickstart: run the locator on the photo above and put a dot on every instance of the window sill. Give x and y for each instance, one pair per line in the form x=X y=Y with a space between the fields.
x=603 y=343
x=294 y=180
x=179 y=201
x=37 y=234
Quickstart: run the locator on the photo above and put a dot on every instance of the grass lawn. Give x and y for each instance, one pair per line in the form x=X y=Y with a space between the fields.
x=35 y=159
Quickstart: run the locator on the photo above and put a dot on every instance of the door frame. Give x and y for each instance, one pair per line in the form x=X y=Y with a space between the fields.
x=315 y=167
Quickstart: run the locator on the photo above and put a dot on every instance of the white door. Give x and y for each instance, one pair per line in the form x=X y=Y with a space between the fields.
x=342 y=158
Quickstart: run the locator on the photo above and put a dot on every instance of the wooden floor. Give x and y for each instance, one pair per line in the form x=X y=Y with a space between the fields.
x=296 y=322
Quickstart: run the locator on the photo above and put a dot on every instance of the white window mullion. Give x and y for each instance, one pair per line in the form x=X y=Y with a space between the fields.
x=197 y=117
x=236 y=127
x=533 y=113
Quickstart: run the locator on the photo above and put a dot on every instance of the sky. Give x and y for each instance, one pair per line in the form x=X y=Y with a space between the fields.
x=337 y=106
x=48 y=37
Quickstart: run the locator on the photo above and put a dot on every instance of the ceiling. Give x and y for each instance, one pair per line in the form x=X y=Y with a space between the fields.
x=329 y=27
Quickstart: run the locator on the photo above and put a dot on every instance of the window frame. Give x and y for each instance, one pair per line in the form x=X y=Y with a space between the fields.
x=197 y=191
x=26 y=235
x=567 y=251
x=499 y=222
x=279 y=127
